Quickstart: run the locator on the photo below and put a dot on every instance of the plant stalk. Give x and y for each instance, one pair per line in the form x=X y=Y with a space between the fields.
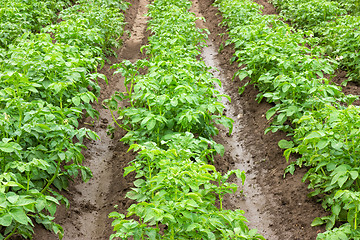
x=53 y=178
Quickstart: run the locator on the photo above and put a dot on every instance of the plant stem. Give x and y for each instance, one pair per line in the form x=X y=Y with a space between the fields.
x=12 y=233
x=220 y=199
x=28 y=181
x=148 y=102
x=53 y=178
x=120 y=126
x=172 y=233
x=20 y=122
x=355 y=218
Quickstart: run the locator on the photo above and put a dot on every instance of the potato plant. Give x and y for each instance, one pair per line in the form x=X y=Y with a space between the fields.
x=172 y=114
x=20 y=16
x=46 y=83
x=337 y=32
x=352 y=6
x=323 y=123
x=309 y=13
x=341 y=38
x=95 y=26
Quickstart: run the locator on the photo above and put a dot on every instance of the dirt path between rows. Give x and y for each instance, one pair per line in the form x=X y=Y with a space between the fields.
x=91 y=202
x=279 y=208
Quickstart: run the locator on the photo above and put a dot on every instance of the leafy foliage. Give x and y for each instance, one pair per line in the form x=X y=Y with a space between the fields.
x=45 y=85
x=338 y=32
x=341 y=38
x=95 y=26
x=324 y=124
x=172 y=116
x=20 y=16
x=309 y=13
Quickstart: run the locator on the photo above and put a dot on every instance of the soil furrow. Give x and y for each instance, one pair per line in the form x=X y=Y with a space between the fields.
x=279 y=208
x=91 y=202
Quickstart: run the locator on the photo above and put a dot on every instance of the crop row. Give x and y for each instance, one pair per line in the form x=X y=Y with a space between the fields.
x=338 y=32
x=44 y=89
x=323 y=123
x=172 y=113
x=19 y=16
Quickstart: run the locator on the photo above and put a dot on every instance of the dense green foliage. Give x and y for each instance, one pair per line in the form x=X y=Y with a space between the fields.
x=95 y=25
x=172 y=115
x=351 y=6
x=20 y=16
x=324 y=124
x=44 y=88
x=337 y=32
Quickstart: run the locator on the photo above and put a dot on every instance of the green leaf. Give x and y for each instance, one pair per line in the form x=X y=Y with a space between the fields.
x=284 y=144
x=25 y=201
x=170 y=217
x=92 y=135
x=220 y=149
x=270 y=113
x=174 y=102
x=128 y=170
x=58 y=230
x=116 y=215
x=192 y=227
x=151 y=124
x=19 y=215
x=9 y=147
x=322 y=144
x=145 y=120
x=195 y=196
x=76 y=100
x=85 y=98
x=252 y=232
x=242 y=177
x=315 y=134
x=336 y=145
x=5 y=220
x=51 y=208
x=289 y=169
x=139 y=182
x=335 y=178
x=354 y=175
x=52 y=199
x=192 y=203
x=43 y=126
x=341 y=181
x=61 y=155
x=317 y=222
x=242 y=74
x=211 y=235
x=152 y=234
x=291 y=110
x=149 y=215
x=287 y=153
x=40 y=204
x=336 y=209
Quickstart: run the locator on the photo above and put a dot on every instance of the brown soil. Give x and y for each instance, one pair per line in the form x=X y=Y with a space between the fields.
x=268 y=7
x=350 y=87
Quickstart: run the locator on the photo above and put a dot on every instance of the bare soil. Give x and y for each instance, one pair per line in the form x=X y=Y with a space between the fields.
x=279 y=208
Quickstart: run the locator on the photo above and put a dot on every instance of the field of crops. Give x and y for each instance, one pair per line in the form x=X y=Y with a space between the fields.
x=179 y=119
